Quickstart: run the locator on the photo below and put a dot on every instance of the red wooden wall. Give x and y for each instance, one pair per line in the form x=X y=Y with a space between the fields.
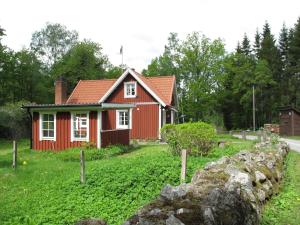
x=63 y=132
x=144 y=116
x=112 y=137
x=118 y=95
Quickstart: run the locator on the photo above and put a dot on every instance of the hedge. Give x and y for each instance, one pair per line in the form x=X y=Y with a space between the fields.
x=196 y=137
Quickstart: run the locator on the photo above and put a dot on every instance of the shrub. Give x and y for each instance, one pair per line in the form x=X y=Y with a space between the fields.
x=196 y=137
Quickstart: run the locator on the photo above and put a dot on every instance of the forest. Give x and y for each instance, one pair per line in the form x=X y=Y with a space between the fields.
x=213 y=85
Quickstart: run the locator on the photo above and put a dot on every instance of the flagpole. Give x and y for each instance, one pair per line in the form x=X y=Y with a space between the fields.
x=121 y=52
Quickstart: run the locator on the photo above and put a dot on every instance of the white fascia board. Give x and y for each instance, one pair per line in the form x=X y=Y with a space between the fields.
x=121 y=78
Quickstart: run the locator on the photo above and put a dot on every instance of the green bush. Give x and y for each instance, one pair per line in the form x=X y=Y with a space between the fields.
x=90 y=153
x=196 y=137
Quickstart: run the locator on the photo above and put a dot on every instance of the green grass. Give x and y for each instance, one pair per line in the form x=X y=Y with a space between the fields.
x=292 y=137
x=46 y=189
x=284 y=209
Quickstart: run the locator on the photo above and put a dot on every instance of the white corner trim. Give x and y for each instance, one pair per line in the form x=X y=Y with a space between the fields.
x=172 y=116
x=159 y=121
x=121 y=78
x=87 y=139
x=99 y=128
x=130 y=118
x=41 y=138
x=125 y=89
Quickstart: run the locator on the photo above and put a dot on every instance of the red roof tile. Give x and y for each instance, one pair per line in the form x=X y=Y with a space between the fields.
x=91 y=91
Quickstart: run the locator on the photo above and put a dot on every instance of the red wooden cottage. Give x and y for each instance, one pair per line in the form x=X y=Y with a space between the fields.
x=105 y=112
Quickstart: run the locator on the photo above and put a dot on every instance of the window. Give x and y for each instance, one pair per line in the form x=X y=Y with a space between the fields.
x=80 y=128
x=47 y=126
x=123 y=119
x=130 y=89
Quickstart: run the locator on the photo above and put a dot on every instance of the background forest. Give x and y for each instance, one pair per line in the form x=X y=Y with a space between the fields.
x=213 y=85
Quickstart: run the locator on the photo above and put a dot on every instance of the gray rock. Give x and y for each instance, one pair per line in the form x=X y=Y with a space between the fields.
x=172 y=220
x=260 y=177
x=261 y=195
x=170 y=193
x=155 y=212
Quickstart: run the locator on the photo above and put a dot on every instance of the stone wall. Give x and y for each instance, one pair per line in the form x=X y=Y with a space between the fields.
x=230 y=191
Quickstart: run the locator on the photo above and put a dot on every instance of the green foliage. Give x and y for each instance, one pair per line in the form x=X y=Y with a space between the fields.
x=84 y=60
x=91 y=153
x=46 y=190
x=14 y=121
x=196 y=137
x=52 y=42
x=284 y=208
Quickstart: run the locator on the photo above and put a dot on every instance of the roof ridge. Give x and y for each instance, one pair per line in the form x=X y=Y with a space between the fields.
x=99 y=80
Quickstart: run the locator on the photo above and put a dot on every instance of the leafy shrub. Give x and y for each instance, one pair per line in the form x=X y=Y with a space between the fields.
x=90 y=153
x=196 y=137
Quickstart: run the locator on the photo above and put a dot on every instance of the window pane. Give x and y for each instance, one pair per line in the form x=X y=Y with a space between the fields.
x=50 y=117
x=45 y=117
x=51 y=133
x=51 y=125
x=45 y=125
x=45 y=133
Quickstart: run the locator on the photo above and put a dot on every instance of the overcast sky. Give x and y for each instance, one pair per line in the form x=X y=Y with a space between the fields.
x=142 y=27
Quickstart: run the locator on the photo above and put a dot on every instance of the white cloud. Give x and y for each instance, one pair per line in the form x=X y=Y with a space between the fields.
x=142 y=27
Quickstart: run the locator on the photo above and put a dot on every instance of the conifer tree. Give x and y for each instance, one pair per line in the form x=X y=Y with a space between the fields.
x=294 y=64
x=246 y=47
x=256 y=46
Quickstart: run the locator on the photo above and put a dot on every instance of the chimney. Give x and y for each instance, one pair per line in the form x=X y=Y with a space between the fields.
x=60 y=91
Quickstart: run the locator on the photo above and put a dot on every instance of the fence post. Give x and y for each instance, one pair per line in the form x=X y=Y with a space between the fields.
x=244 y=135
x=230 y=132
x=183 y=165
x=15 y=154
x=82 y=167
x=259 y=136
x=264 y=136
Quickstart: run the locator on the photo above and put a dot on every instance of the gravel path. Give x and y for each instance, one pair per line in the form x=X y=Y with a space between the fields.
x=294 y=144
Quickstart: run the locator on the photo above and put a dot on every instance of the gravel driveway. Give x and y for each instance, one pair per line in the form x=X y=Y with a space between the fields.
x=294 y=144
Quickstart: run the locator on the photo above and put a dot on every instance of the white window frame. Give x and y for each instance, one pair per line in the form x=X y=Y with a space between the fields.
x=87 y=138
x=118 y=126
x=125 y=89
x=42 y=138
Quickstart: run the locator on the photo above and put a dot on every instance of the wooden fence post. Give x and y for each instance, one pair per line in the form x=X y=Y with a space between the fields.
x=259 y=136
x=183 y=165
x=264 y=136
x=244 y=135
x=15 y=154
x=230 y=132
x=82 y=167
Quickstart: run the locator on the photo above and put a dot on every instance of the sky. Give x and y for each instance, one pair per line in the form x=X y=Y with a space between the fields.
x=142 y=27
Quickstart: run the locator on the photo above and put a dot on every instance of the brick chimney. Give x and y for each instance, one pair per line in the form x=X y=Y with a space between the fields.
x=60 y=91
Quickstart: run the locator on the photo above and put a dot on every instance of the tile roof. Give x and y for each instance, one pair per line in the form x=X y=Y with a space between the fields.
x=91 y=91
x=162 y=86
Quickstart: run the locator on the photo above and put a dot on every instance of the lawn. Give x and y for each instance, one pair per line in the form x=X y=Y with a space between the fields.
x=284 y=209
x=45 y=188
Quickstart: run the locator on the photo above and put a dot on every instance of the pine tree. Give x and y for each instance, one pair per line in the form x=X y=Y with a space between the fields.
x=270 y=53
x=238 y=48
x=284 y=44
x=294 y=64
x=246 y=47
x=256 y=46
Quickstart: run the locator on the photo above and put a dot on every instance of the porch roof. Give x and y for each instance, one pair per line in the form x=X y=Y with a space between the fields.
x=77 y=106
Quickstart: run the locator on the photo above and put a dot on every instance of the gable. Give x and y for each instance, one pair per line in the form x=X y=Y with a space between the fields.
x=159 y=89
x=117 y=96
